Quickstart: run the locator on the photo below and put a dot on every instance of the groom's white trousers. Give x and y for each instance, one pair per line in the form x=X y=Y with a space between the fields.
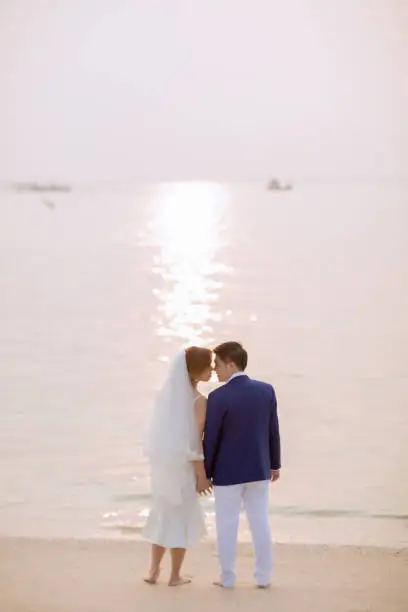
x=228 y=503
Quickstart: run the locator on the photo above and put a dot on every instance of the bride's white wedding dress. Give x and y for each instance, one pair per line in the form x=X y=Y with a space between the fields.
x=176 y=519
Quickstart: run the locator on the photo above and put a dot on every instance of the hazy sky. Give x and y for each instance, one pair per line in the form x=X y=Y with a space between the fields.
x=189 y=89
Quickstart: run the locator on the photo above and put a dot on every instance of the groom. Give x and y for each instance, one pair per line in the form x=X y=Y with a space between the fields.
x=242 y=456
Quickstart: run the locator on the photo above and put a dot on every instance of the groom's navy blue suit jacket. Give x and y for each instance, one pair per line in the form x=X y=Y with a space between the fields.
x=241 y=436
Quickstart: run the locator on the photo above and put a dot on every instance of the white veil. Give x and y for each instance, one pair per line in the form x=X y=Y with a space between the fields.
x=173 y=439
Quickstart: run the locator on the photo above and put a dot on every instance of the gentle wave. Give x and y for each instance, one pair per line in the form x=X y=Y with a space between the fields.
x=286 y=510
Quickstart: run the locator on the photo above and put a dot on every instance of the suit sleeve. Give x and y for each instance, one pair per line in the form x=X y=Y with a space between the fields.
x=212 y=433
x=274 y=436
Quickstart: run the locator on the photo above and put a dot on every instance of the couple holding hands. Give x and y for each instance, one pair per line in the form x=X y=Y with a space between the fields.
x=228 y=443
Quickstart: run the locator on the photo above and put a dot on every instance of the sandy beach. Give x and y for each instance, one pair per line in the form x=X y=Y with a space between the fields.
x=105 y=576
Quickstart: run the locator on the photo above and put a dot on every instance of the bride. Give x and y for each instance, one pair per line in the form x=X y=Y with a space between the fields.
x=176 y=459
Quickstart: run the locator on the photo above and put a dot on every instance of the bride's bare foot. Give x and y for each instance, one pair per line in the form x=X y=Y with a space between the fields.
x=153 y=576
x=179 y=581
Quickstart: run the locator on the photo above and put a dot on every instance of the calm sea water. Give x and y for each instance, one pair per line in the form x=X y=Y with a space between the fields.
x=99 y=292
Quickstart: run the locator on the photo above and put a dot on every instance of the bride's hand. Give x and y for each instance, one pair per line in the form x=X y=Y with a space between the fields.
x=204 y=485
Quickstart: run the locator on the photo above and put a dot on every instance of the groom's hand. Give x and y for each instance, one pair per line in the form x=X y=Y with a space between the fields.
x=275 y=475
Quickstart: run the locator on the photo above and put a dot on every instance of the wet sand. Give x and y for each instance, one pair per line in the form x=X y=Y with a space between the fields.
x=106 y=576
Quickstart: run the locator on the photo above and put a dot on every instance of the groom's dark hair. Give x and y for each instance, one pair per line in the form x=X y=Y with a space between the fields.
x=232 y=352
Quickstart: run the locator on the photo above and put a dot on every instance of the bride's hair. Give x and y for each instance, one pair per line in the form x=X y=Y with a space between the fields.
x=198 y=359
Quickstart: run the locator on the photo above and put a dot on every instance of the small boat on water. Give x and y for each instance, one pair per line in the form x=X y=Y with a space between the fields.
x=277 y=185
x=42 y=187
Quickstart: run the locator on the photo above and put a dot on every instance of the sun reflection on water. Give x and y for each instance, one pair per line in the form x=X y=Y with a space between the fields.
x=188 y=221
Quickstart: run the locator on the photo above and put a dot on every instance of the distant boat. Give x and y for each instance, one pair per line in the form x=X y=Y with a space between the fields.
x=42 y=187
x=277 y=185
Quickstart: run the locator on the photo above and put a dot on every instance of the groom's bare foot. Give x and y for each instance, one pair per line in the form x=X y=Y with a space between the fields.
x=179 y=581
x=219 y=584
x=153 y=576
